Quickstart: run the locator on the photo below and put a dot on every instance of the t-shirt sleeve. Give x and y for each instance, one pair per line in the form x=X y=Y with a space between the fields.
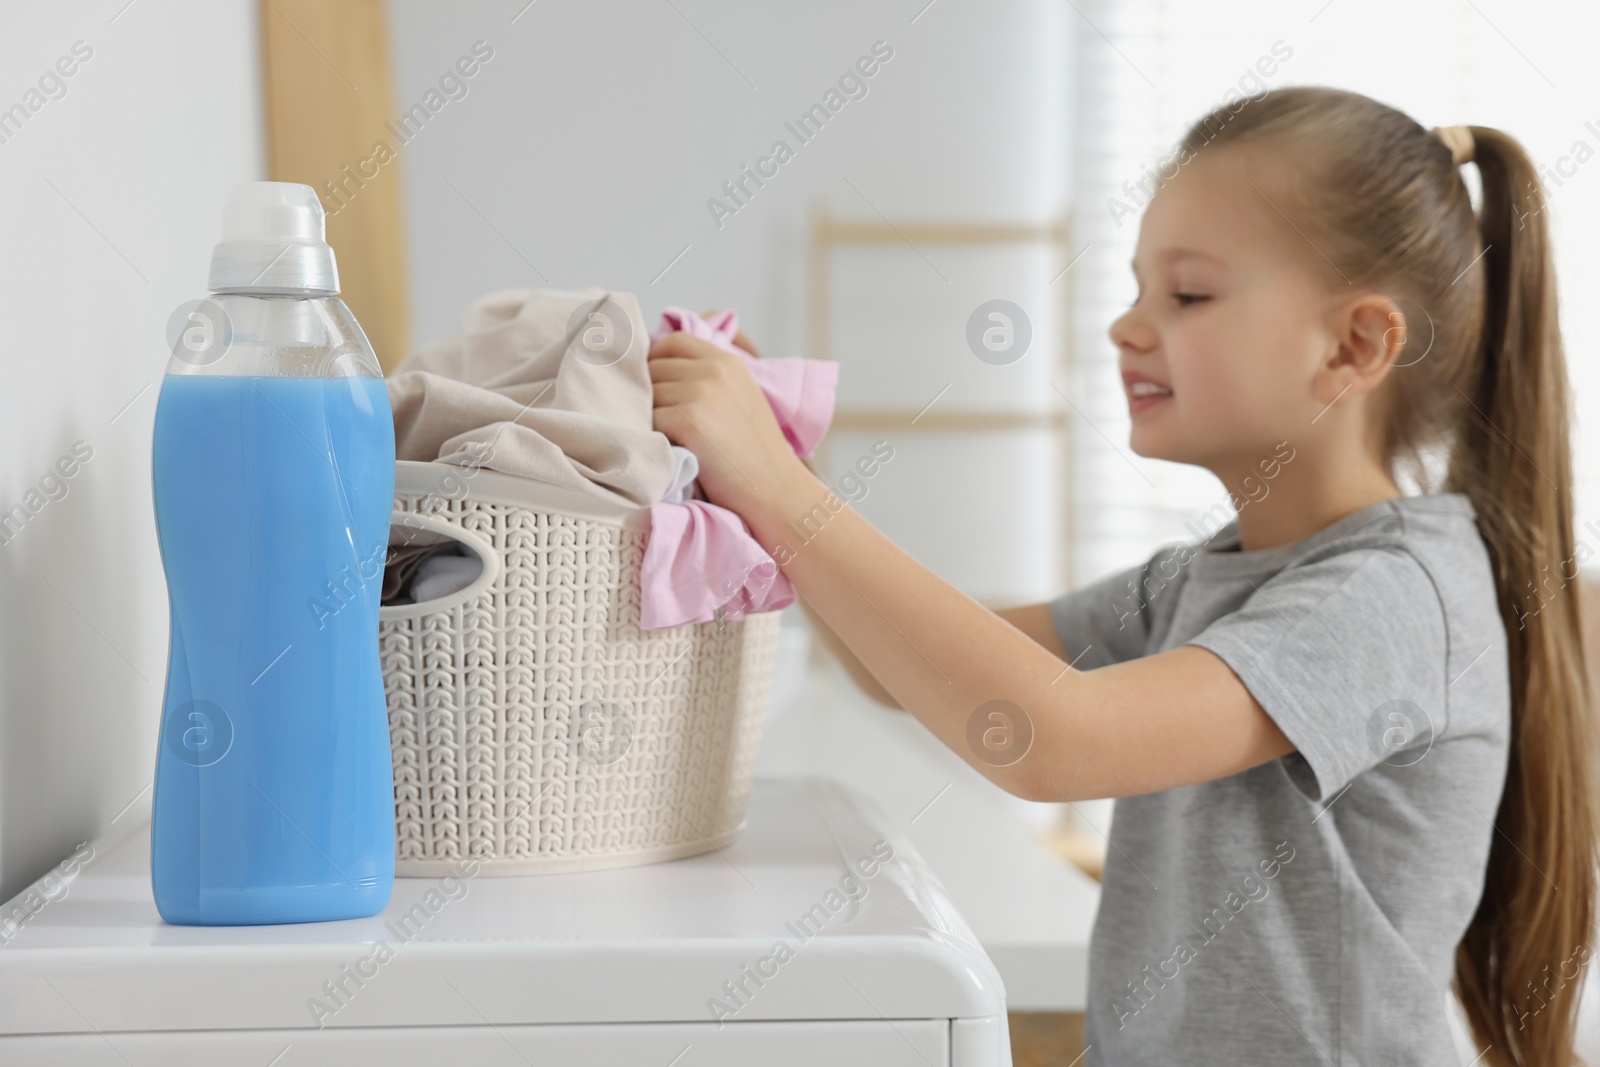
x=1104 y=622
x=1347 y=654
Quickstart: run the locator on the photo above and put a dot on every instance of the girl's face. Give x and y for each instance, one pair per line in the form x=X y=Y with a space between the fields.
x=1219 y=351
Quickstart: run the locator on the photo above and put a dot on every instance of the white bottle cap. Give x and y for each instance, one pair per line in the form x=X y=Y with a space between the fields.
x=272 y=242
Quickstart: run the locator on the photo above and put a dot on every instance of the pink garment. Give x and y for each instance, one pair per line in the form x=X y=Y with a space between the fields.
x=701 y=558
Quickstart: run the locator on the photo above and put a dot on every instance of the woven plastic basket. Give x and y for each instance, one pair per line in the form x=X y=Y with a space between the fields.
x=534 y=726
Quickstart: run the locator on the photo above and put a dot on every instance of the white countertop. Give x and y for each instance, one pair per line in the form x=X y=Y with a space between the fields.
x=1030 y=909
x=654 y=943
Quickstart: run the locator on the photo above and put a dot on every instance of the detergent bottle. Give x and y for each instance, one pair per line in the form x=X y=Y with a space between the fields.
x=273 y=479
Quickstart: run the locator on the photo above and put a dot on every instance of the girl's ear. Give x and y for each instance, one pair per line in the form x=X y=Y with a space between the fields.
x=1370 y=334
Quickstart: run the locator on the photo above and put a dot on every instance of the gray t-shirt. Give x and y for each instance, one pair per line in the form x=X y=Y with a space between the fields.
x=1307 y=911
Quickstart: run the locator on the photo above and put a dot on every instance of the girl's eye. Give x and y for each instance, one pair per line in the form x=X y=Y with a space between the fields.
x=1189 y=299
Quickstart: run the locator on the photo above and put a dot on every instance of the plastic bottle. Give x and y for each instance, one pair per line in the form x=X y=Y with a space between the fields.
x=273 y=477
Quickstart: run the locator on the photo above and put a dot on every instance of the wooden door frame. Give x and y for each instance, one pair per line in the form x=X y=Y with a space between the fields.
x=327 y=98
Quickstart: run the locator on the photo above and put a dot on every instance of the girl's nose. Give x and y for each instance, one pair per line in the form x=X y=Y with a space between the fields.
x=1131 y=333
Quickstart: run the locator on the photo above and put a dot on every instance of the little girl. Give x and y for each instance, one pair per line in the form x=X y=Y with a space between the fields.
x=1349 y=731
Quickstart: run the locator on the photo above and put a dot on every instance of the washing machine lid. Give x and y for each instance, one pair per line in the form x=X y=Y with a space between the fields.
x=820 y=910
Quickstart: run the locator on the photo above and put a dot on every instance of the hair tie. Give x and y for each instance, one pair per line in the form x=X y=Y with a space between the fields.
x=1459 y=140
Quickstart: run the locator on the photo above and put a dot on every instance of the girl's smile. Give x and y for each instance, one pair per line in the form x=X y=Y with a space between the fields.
x=1144 y=392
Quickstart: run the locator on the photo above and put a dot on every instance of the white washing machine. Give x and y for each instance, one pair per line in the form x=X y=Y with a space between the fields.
x=818 y=938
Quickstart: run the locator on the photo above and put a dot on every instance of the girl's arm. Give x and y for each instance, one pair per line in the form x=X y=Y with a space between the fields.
x=852 y=666
x=1176 y=718
x=1031 y=619
x=1167 y=720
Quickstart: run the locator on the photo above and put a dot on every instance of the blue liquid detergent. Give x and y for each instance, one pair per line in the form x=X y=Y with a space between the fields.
x=274 y=793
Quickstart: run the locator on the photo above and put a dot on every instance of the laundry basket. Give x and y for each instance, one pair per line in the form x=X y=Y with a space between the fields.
x=535 y=727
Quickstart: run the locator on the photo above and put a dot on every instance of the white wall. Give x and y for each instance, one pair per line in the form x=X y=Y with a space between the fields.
x=110 y=199
x=584 y=153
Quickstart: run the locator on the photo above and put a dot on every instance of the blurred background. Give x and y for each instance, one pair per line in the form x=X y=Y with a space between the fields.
x=995 y=152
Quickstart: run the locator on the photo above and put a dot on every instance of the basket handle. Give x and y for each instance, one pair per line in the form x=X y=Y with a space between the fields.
x=436 y=524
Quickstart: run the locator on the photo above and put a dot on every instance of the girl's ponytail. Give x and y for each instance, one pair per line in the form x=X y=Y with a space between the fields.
x=1519 y=967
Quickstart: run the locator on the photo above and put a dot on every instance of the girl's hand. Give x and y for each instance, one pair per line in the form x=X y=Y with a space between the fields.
x=706 y=401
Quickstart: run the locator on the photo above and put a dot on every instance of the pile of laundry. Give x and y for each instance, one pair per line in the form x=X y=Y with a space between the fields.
x=554 y=386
